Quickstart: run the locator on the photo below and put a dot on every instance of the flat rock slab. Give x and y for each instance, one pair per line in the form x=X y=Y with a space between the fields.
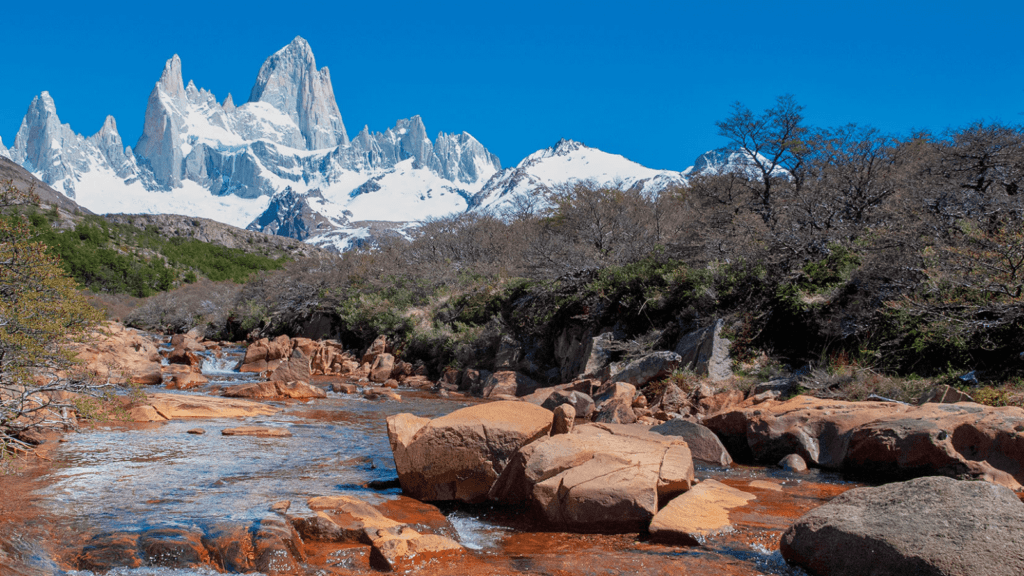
x=258 y=431
x=157 y=407
x=695 y=515
x=932 y=526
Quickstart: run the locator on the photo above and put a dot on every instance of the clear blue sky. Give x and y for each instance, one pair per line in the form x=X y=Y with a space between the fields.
x=643 y=79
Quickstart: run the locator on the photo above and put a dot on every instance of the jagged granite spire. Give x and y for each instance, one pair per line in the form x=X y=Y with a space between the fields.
x=290 y=82
x=108 y=142
x=159 y=145
x=229 y=104
x=3 y=151
x=49 y=149
x=462 y=158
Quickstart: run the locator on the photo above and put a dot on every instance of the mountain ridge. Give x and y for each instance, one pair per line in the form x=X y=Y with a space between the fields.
x=285 y=153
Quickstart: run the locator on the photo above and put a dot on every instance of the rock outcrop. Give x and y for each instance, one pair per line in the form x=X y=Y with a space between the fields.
x=508 y=383
x=930 y=526
x=882 y=439
x=706 y=352
x=645 y=369
x=459 y=456
x=115 y=354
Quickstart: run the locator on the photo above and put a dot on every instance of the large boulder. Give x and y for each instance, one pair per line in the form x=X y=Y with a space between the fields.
x=459 y=456
x=704 y=444
x=396 y=546
x=930 y=526
x=645 y=369
x=706 y=353
x=508 y=383
x=597 y=478
x=886 y=440
x=580 y=354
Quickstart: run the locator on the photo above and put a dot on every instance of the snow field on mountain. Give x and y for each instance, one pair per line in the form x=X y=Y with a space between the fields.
x=101 y=191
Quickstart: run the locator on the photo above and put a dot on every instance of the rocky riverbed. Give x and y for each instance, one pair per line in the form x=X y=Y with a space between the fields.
x=204 y=484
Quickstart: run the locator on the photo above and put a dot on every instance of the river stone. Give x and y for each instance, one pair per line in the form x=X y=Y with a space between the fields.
x=380 y=370
x=927 y=526
x=187 y=381
x=793 y=463
x=258 y=431
x=173 y=548
x=598 y=478
x=459 y=456
x=274 y=391
x=698 y=513
x=277 y=547
x=704 y=444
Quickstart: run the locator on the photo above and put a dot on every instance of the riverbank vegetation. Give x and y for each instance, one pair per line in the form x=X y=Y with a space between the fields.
x=41 y=314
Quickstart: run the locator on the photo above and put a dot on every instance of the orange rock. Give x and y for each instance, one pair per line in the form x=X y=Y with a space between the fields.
x=694 y=515
x=459 y=456
x=380 y=371
x=258 y=431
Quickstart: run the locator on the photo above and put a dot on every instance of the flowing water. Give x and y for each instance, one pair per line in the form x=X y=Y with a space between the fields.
x=139 y=477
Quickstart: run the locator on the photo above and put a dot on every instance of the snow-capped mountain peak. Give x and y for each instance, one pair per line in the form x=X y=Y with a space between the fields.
x=728 y=160
x=566 y=162
x=3 y=150
x=282 y=162
x=290 y=82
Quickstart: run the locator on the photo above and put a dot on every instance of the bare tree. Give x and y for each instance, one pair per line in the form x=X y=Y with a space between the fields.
x=773 y=143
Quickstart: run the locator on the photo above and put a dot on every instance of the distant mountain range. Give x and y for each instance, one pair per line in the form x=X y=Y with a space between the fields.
x=283 y=163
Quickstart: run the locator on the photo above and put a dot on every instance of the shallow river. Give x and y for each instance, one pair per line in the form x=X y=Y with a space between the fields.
x=116 y=478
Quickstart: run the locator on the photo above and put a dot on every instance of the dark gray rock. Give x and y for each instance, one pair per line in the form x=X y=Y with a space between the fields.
x=704 y=444
x=645 y=369
x=706 y=353
x=582 y=403
x=930 y=526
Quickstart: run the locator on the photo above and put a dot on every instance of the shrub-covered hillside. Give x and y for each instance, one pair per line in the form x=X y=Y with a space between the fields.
x=901 y=253
x=122 y=258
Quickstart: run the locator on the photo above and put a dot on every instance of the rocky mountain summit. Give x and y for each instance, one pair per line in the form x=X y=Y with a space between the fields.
x=287 y=146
